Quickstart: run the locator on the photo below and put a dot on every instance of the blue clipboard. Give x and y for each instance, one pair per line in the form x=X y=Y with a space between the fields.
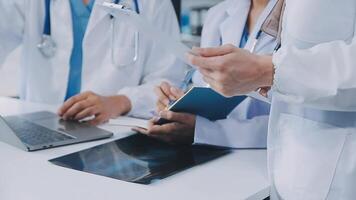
x=206 y=103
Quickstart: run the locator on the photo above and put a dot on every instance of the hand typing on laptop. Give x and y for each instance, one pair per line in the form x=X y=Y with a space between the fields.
x=182 y=126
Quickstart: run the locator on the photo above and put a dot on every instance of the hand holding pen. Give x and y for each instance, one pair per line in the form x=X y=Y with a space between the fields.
x=166 y=95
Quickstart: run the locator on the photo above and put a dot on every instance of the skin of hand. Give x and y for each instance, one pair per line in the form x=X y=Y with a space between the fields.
x=232 y=71
x=166 y=93
x=89 y=104
x=179 y=132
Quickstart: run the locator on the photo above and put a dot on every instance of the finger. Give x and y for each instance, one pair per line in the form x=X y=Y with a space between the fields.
x=153 y=121
x=100 y=119
x=214 y=51
x=165 y=87
x=88 y=112
x=175 y=117
x=160 y=106
x=207 y=63
x=76 y=108
x=177 y=93
x=140 y=130
x=162 y=97
x=70 y=102
x=162 y=130
x=264 y=91
x=216 y=86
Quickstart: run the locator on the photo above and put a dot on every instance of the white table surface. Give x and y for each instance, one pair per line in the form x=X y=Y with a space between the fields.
x=29 y=176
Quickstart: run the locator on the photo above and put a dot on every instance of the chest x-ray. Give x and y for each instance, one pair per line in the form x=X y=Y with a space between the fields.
x=138 y=159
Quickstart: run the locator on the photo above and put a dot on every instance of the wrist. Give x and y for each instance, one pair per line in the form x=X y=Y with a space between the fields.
x=121 y=104
x=266 y=70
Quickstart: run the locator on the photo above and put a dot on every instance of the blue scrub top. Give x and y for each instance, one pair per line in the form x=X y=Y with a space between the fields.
x=244 y=38
x=80 y=18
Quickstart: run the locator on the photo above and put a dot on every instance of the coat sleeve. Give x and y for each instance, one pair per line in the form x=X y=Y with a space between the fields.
x=321 y=77
x=159 y=66
x=12 y=20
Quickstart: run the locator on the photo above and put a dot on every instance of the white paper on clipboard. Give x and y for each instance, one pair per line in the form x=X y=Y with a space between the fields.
x=166 y=42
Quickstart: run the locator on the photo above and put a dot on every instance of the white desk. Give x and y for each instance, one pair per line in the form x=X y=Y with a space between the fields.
x=29 y=176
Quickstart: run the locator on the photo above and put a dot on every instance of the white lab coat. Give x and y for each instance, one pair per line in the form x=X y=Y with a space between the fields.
x=312 y=130
x=45 y=80
x=247 y=125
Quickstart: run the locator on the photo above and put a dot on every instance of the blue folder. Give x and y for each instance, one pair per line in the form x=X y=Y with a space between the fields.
x=206 y=103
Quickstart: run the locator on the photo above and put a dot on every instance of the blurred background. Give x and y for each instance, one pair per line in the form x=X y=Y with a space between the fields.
x=191 y=15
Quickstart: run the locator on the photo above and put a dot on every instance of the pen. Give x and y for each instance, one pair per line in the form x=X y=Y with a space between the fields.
x=184 y=86
x=255 y=41
x=185 y=83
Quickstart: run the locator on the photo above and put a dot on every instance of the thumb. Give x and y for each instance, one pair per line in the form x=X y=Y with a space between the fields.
x=214 y=51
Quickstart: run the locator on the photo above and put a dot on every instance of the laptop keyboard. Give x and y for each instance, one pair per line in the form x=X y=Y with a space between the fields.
x=33 y=134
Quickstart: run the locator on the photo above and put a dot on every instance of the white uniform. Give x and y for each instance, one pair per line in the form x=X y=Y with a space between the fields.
x=45 y=80
x=247 y=125
x=312 y=133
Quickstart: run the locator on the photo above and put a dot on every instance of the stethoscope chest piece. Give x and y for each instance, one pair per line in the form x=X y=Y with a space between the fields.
x=47 y=47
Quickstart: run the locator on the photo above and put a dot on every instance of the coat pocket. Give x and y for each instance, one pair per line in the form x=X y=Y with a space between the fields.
x=306 y=155
x=125 y=45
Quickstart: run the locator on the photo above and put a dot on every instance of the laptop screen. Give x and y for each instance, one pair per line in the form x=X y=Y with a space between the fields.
x=138 y=159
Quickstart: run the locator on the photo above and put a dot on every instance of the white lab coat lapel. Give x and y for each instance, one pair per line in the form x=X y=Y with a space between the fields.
x=98 y=15
x=96 y=42
x=261 y=19
x=62 y=33
x=232 y=28
x=61 y=23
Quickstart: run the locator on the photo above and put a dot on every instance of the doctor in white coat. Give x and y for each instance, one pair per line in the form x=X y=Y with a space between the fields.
x=108 y=47
x=312 y=129
x=247 y=125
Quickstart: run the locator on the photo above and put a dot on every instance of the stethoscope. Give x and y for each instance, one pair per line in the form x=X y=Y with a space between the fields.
x=48 y=46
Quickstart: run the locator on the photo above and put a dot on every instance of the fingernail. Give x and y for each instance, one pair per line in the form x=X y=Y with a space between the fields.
x=172 y=98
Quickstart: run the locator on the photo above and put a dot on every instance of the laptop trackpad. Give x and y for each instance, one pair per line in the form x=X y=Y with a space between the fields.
x=54 y=122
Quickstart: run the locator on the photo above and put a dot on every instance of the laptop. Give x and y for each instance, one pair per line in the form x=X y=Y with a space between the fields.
x=43 y=130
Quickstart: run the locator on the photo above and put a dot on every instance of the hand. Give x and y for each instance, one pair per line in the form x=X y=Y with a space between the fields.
x=166 y=93
x=232 y=71
x=89 y=104
x=180 y=131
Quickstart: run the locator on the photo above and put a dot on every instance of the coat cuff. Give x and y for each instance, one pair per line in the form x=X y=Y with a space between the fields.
x=142 y=103
x=282 y=77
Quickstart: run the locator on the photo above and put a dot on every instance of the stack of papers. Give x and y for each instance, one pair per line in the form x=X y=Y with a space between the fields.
x=124 y=124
